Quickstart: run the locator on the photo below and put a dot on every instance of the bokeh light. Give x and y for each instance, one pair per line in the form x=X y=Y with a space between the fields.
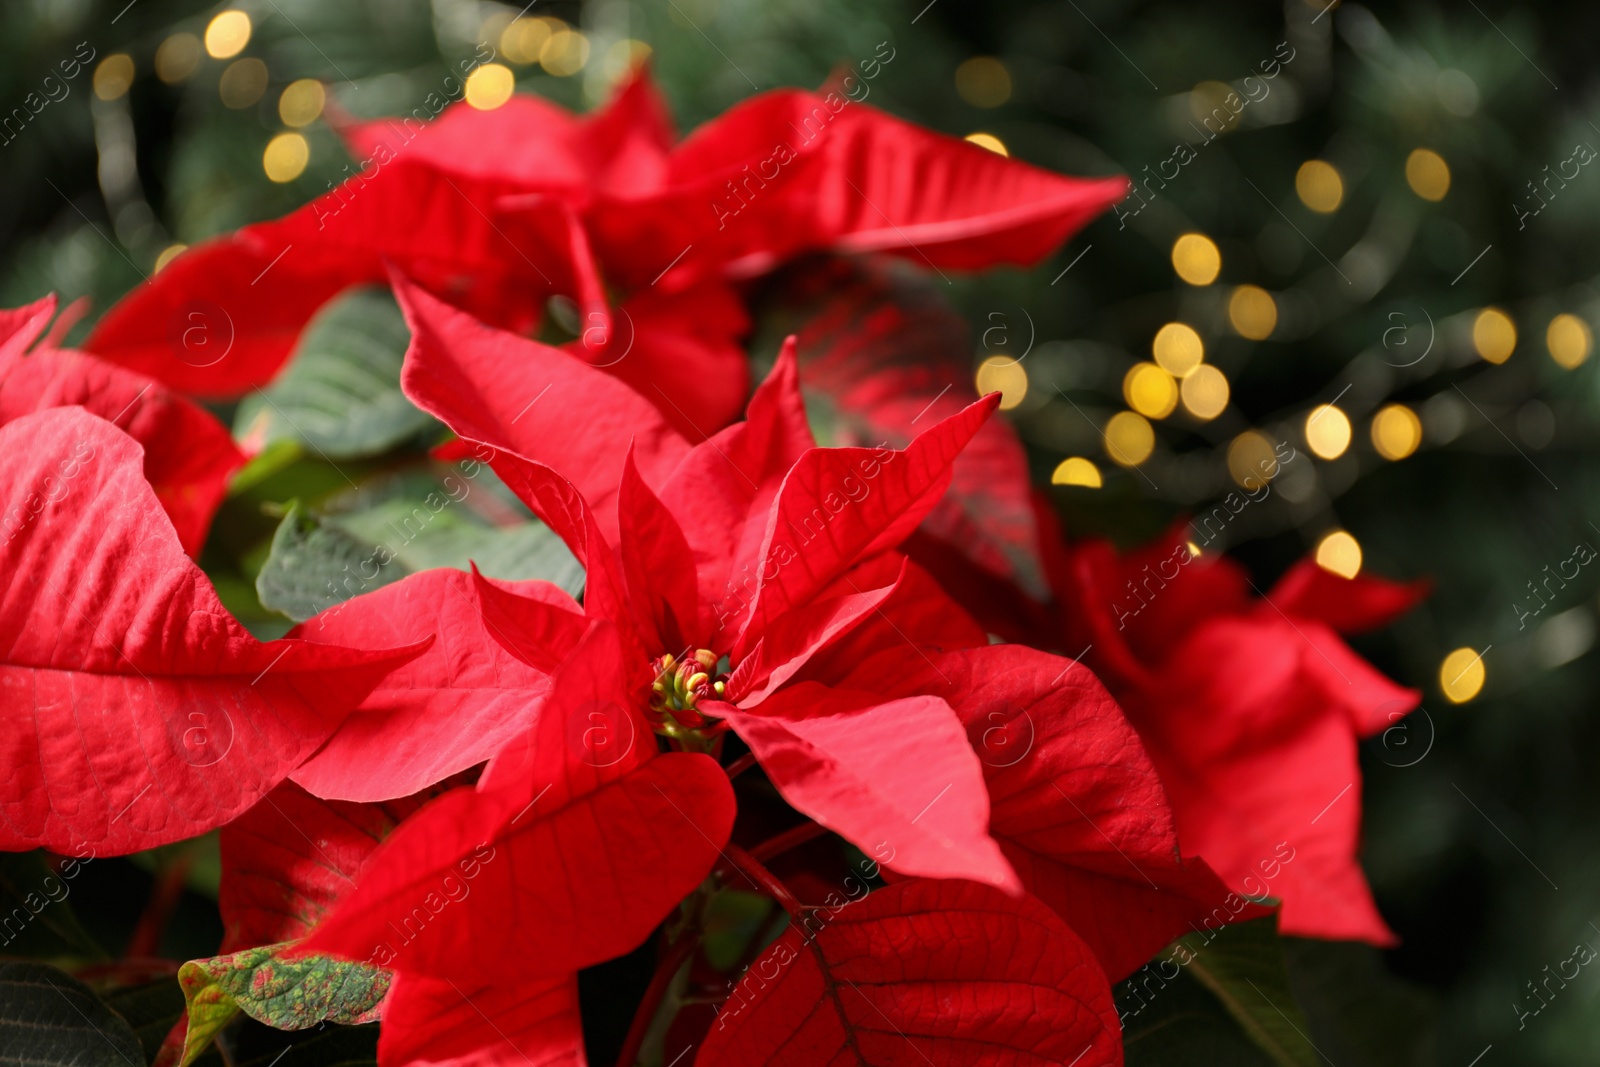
x=1129 y=438
x=1003 y=375
x=1205 y=392
x=302 y=102
x=1494 y=335
x=1319 y=186
x=1075 y=470
x=1396 y=432
x=983 y=81
x=1253 y=312
x=1327 y=431
x=490 y=86
x=227 y=34
x=1150 y=391
x=243 y=83
x=286 y=157
x=1428 y=174
x=113 y=76
x=1339 y=553
x=1178 y=348
x=177 y=57
x=1569 y=340
x=1196 y=259
x=564 y=53
x=1461 y=675
x=1251 y=459
x=989 y=141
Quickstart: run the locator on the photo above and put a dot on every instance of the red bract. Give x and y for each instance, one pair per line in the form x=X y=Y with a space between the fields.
x=1251 y=708
x=138 y=710
x=594 y=844
x=580 y=204
x=188 y=455
x=753 y=560
x=922 y=972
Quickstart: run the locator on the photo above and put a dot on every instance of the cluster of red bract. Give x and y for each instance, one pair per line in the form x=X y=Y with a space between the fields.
x=463 y=791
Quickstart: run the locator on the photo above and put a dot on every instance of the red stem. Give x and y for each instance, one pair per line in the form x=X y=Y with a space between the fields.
x=740 y=765
x=762 y=879
x=654 y=993
x=790 y=838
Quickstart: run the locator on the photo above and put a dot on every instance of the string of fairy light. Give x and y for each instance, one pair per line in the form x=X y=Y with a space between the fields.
x=1177 y=375
x=542 y=42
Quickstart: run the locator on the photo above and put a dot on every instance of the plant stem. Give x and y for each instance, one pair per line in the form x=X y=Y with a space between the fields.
x=763 y=879
x=790 y=838
x=740 y=765
x=671 y=961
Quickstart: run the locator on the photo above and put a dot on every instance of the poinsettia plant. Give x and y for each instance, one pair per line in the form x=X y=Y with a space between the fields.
x=605 y=654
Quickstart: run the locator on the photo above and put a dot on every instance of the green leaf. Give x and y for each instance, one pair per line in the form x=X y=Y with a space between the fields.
x=407 y=522
x=1176 y=1022
x=1242 y=964
x=340 y=392
x=288 y=994
x=50 y=1019
x=1361 y=1013
x=309 y=561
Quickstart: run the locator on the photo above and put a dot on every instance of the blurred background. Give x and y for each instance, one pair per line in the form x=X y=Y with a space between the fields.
x=1388 y=210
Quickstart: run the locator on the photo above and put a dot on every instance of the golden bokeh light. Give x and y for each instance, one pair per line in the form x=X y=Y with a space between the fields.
x=1196 y=259
x=168 y=254
x=490 y=86
x=983 y=81
x=286 y=157
x=243 y=83
x=1205 y=392
x=1396 y=432
x=302 y=102
x=1494 y=335
x=1461 y=675
x=1428 y=174
x=1339 y=553
x=177 y=57
x=1075 y=470
x=1003 y=375
x=1253 y=312
x=1251 y=459
x=1319 y=186
x=564 y=53
x=989 y=141
x=1569 y=339
x=623 y=56
x=1150 y=391
x=1327 y=431
x=1129 y=439
x=1178 y=348
x=227 y=34
x=523 y=39
x=113 y=76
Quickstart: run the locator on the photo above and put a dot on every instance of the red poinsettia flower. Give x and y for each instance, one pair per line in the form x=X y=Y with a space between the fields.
x=1251 y=707
x=188 y=455
x=137 y=710
x=764 y=600
x=580 y=205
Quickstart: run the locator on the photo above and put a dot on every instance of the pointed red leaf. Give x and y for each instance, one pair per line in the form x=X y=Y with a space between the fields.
x=20 y=327
x=922 y=972
x=502 y=390
x=288 y=859
x=138 y=710
x=188 y=455
x=896 y=777
x=598 y=841
x=224 y=316
x=1349 y=605
x=529 y=620
x=1076 y=803
x=441 y=1023
x=840 y=505
x=661 y=572
x=447 y=710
